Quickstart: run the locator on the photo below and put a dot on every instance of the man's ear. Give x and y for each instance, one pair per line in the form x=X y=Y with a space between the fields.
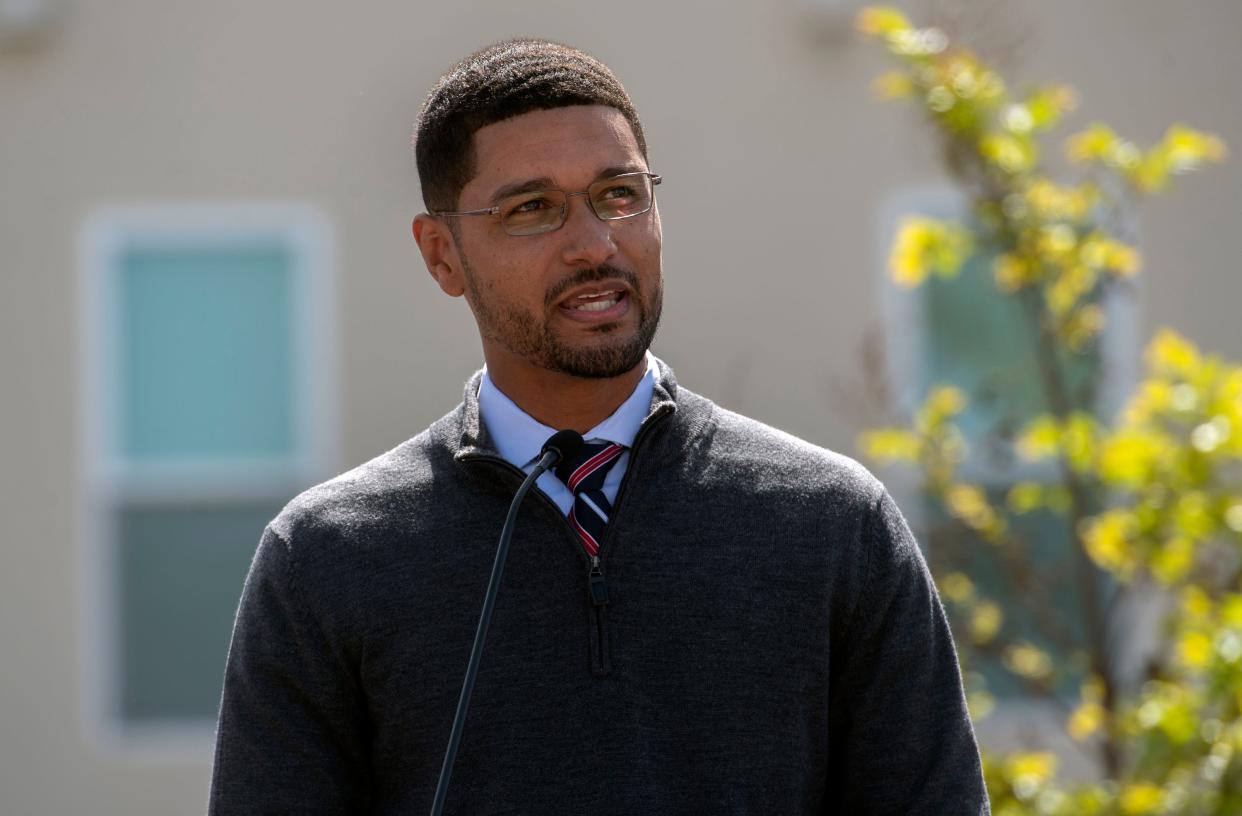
x=440 y=255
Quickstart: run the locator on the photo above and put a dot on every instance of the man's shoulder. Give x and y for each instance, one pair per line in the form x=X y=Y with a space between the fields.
x=392 y=485
x=748 y=451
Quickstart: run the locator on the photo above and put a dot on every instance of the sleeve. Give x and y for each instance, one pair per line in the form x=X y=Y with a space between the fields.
x=291 y=731
x=902 y=742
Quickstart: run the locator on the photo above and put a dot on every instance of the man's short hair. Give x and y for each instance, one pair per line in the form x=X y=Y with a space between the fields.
x=501 y=81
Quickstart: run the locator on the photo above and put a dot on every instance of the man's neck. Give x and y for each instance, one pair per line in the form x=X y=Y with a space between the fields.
x=563 y=401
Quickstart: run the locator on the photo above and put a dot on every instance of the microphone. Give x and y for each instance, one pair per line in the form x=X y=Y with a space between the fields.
x=560 y=446
x=565 y=443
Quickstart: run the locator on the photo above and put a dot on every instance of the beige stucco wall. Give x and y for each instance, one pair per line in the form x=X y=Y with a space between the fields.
x=776 y=162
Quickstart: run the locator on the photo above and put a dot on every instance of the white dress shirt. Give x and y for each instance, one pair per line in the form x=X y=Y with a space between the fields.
x=519 y=437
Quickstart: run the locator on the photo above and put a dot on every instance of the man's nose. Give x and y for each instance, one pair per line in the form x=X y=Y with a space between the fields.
x=588 y=238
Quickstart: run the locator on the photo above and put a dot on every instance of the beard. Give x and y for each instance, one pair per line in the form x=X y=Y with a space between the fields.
x=526 y=335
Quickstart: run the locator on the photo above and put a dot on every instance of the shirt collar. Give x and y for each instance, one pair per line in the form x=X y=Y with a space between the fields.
x=519 y=437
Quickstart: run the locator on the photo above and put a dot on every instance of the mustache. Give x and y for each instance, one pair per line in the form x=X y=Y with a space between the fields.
x=598 y=273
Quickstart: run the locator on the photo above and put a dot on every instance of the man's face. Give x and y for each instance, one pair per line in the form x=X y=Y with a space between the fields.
x=582 y=300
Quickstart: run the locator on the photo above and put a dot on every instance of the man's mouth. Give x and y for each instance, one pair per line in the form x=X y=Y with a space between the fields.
x=595 y=302
x=597 y=305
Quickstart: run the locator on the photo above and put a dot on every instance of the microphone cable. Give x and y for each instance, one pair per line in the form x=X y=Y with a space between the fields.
x=560 y=446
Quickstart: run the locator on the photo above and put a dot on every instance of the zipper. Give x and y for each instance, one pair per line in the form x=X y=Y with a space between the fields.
x=600 y=665
x=597 y=585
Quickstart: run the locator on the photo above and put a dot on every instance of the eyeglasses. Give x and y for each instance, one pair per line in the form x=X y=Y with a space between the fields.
x=537 y=211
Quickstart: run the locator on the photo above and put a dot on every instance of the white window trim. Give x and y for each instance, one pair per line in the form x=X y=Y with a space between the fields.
x=106 y=479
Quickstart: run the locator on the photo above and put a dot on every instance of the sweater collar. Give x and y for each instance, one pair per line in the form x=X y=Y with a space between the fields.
x=471 y=439
x=519 y=437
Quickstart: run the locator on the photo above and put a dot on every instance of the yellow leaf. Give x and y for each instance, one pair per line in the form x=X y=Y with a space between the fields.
x=907 y=262
x=1068 y=288
x=966 y=500
x=1029 y=771
x=1140 y=798
x=1167 y=707
x=1231 y=611
x=964 y=75
x=1151 y=172
x=1192 y=515
x=1129 y=458
x=957 y=587
x=1028 y=660
x=891 y=445
x=1047 y=105
x=1012 y=272
x=1078 y=440
x=942 y=404
x=1195 y=649
x=1057 y=241
x=1187 y=149
x=1170 y=352
x=924 y=246
x=1123 y=261
x=1051 y=202
x=985 y=622
x=880 y=20
x=970 y=504
x=1040 y=439
x=1008 y=152
x=1173 y=561
x=1093 y=144
x=1101 y=252
x=1083 y=326
x=1153 y=398
x=1024 y=497
x=1085 y=720
x=1108 y=541
x=1196 y=605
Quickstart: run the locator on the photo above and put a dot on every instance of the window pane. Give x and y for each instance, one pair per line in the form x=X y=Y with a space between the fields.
x=1037 y=592
x=181 y=571
x=982 y=341
x=206 y=353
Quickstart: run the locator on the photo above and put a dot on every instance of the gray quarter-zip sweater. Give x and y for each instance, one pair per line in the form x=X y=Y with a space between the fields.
x=761 y=636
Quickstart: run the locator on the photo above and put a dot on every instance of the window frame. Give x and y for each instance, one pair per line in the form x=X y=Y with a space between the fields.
x=108 y=482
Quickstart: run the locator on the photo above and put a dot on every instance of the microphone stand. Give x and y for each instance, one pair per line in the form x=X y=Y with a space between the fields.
x=562 y=444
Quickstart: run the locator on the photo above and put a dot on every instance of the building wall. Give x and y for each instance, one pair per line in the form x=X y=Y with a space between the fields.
x=777 y=163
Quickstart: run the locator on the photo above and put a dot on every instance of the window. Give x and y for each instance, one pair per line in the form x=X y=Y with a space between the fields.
x=964 y=332
x=208 y=385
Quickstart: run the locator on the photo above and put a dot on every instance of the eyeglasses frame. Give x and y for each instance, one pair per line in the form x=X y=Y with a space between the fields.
x=655 y=181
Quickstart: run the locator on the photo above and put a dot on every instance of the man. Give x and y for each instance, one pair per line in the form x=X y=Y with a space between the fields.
x=708 y=617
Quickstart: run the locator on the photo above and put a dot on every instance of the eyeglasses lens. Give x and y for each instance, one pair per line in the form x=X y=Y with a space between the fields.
x=544 y=210
x=621 y=196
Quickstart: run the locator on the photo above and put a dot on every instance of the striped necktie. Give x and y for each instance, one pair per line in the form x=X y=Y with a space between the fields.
x=584 y=476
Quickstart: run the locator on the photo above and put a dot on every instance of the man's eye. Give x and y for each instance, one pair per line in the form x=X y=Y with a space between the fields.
x=617 y=191
x=524 y=206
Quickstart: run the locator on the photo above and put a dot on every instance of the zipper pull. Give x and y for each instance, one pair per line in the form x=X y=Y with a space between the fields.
x=599 y=589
